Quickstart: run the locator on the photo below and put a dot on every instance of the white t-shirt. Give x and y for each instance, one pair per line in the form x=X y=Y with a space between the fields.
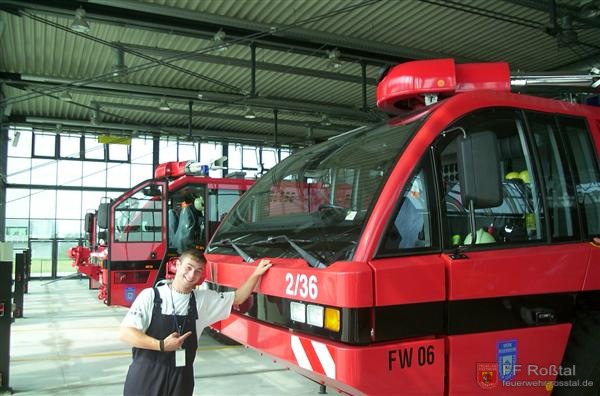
x=212 y=307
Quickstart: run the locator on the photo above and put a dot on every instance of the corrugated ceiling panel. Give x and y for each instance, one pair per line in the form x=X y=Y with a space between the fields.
x=434 y=25
x=471 y=29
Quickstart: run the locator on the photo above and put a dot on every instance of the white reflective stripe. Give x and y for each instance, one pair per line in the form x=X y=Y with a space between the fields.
x=325 y=358
x=300 y=354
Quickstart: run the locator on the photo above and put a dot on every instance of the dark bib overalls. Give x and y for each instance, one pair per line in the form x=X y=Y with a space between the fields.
x=153 y=373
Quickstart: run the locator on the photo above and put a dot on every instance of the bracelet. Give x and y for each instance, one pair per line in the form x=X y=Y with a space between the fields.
x=161 y=345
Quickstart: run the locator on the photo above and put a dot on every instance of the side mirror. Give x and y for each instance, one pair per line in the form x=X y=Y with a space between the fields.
x=88 y=223
x=219 y=163
x=152 y=191
x=479 y=170
x=103 y=215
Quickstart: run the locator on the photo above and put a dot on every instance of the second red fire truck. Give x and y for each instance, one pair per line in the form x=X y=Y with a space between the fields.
x=134 y=240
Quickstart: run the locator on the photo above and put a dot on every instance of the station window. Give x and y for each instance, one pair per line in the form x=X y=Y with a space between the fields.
x=70 y=146
x=44 y=145
x=119 y=152
x=175 y=150
x=93 y=150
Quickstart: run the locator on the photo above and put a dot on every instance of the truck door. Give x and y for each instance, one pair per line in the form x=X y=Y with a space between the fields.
x=408 y=259
x=512 y=269
x=584 y=163
x=410 y=290
x=138 y=235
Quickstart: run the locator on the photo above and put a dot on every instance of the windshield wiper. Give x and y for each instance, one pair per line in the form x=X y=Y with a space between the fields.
x=310 y=259
x=239 y=250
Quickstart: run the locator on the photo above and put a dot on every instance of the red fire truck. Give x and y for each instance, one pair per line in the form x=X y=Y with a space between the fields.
x=134 y=240
x=447 y=251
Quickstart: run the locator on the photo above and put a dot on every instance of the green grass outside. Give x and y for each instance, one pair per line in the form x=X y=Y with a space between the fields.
x=44 y=267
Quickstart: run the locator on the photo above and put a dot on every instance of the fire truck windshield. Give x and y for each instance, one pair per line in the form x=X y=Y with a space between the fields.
x=314 y=204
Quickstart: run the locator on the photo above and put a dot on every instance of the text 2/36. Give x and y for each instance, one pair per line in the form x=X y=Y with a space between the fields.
x=301 y=285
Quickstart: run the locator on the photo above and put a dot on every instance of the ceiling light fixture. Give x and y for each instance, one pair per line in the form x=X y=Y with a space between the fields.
x=325 y=120
x=118 y=67
x=249 y=114
x=567 y=36
x=65 y=96
x=163 y=105
x=334 y=58
x=595 y=73
x=589 y=9
x=95 y=117
x=219 y=41
x=80 y=24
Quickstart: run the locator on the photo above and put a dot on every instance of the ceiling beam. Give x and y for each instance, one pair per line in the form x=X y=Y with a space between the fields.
x=202 y=134
x=223 y=60
x=205 y=114
x=153 y=92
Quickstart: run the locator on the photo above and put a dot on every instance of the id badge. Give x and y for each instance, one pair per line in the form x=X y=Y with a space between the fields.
x=180 y=358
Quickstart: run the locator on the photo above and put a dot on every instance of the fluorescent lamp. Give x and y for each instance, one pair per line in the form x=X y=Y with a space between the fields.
x=334 y=58
x=65 y=96
x=80 y=24
x=249 y=114
x=163 y=105
x=219 y=40
x=119 y=67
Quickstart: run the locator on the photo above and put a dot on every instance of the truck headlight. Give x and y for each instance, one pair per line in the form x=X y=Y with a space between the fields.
x=298 y=312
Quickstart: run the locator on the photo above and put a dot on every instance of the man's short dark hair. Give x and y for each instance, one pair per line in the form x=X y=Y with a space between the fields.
x=193 y=254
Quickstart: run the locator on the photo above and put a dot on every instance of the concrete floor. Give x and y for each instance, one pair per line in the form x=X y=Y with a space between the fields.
x=66 y=344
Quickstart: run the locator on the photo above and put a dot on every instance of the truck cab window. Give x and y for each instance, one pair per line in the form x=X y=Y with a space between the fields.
x=139 y=217
x=585 y=168
x=186 y=218
x=412 y=225
x=520 y=216
x=320 y=199
x=220 y=203
x=560 y=194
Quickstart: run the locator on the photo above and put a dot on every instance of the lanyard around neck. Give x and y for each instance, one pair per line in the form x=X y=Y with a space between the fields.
x=175 y=321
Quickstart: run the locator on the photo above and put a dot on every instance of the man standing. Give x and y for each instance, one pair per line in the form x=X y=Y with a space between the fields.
x=164 y=323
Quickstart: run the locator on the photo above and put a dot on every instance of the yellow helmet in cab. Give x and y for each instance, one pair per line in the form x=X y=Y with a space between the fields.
x=199 y=204
x=512 y=175
x=524 y=175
